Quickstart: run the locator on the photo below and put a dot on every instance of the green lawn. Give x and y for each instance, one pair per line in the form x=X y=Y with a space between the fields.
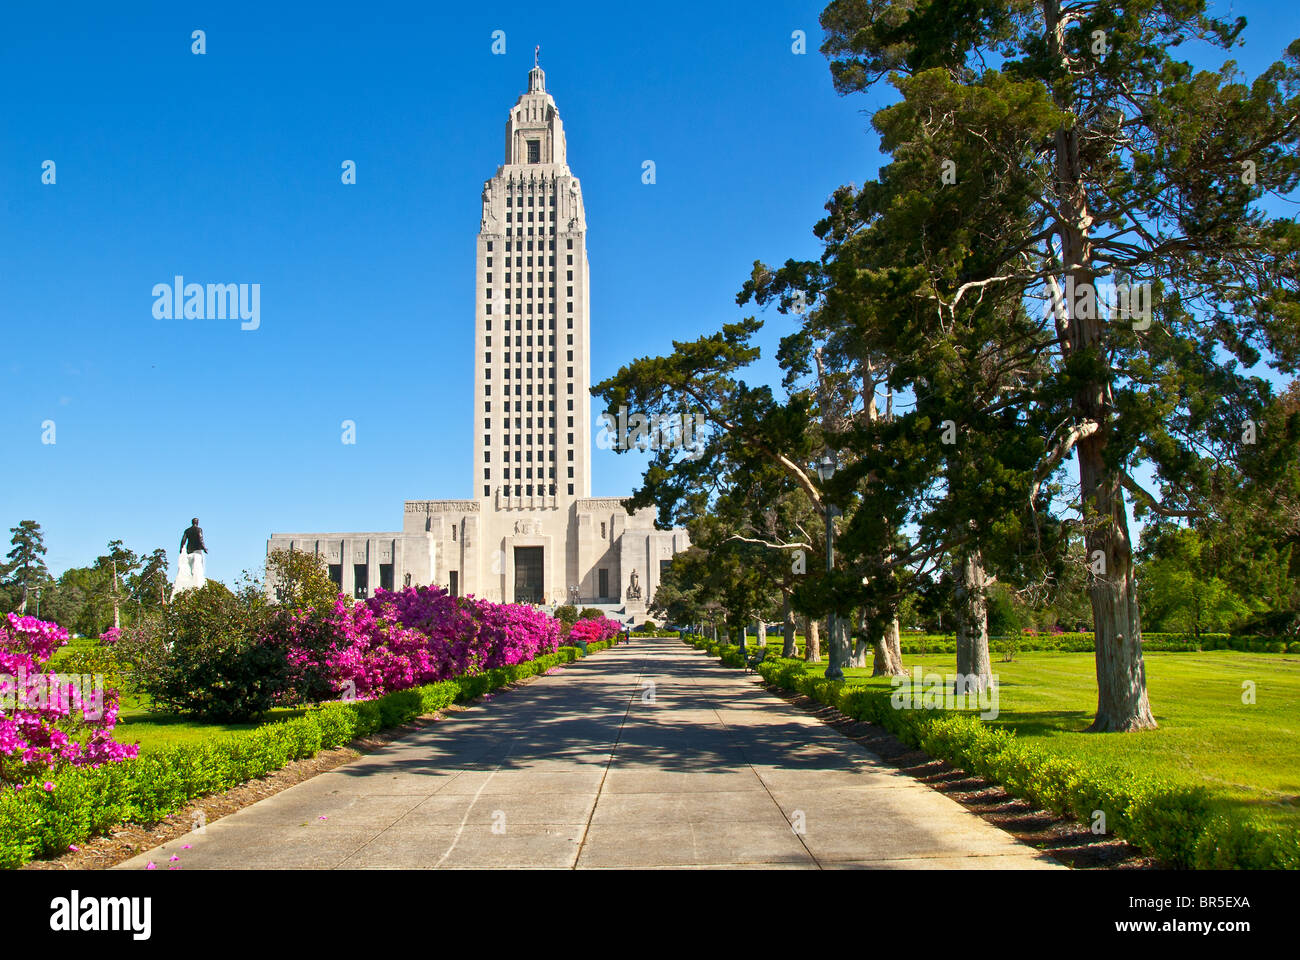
x=1247 y=756
x=137 y=723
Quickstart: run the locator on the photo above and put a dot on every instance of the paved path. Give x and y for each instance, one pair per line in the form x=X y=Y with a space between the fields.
x=584 y=769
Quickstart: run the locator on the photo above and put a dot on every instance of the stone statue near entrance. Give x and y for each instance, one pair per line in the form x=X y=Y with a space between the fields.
x=190 y=574
x=633 y=587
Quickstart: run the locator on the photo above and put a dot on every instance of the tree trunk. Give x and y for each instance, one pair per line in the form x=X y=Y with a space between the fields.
x=888 y=658
x=861 y=644
x=788 y=647
x=812 y=646
x=974 y=671
x=838 y=637
x=1122 y=703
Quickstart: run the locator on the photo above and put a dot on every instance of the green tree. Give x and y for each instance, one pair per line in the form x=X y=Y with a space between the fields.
x=1134 y=187
x=148 y=587
x=24 y=569
x=300 y=580
x=1181 y=594
x=81 y=600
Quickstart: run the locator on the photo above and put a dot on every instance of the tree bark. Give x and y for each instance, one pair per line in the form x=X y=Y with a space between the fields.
x=974 y=671
x=812 y=647
x=861 y=644
x=1122 y=703
x=888 y=658
x=788 y=647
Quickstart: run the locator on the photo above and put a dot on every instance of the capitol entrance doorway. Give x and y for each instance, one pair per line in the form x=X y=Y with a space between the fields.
x=529 y=574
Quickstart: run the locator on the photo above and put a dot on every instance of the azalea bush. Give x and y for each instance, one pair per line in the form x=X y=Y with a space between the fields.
x=595 y=629
x=230 y=661
x=404 y=638
x=48 y=720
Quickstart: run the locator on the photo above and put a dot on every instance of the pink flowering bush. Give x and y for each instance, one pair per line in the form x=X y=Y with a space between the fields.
x=49 y=721
x=405 y=638
x=595 y=629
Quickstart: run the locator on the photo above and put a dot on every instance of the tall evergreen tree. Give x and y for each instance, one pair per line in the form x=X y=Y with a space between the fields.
x=1151 y=179
x=25 y=568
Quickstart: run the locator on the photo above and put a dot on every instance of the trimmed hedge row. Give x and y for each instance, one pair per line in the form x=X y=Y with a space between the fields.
x=1176 y=824
x=1083 y=643
x=913 y=644
x=84 y=802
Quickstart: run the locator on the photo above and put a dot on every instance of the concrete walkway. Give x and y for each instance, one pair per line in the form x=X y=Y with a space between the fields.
x=645 y=755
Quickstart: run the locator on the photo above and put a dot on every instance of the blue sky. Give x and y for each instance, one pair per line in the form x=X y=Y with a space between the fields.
x=226 y=168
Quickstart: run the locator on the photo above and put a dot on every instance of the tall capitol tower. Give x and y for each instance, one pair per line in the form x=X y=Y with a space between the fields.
x=531 y=388
x=531 y=532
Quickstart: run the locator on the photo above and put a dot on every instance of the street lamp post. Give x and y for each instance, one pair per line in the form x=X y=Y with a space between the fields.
x=834 y=666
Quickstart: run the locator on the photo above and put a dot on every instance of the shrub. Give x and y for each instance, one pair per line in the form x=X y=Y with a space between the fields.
x=594 y=630
x=98 y=658
x=140 y=650
x=300 y=580
x=49 y=721
x=217 y=667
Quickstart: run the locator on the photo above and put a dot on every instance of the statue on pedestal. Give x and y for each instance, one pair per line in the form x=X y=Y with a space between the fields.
x=633 y=587
x=190 y=574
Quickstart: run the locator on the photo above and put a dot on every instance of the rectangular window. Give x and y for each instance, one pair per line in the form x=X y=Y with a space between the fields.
x=361 y=578
x=386 y=576
x=534 y=152
x=602 y=577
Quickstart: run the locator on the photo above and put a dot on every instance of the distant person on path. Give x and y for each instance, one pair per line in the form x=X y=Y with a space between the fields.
x=190 y=573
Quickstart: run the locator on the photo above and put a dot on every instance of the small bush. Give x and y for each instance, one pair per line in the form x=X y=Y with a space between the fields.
x=217 y=668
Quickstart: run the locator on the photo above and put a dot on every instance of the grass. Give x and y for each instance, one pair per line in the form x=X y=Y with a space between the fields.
x=1247 y=756
x=152 y=729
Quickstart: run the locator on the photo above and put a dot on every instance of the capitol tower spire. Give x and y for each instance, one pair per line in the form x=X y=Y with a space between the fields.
x=531 y=532
x=532 y=412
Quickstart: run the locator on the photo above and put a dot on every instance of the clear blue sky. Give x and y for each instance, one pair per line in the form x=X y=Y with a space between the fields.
x=226 y=168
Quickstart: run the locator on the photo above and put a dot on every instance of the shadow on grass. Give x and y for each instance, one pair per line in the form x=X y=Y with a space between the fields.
x=1041 y=723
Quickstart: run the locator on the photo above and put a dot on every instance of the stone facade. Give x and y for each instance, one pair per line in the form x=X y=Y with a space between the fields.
x=533 y=532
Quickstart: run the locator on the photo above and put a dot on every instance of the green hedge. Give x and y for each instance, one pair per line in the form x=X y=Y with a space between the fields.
x=1175 y=824
x=1083 y=643
x=84 y=802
